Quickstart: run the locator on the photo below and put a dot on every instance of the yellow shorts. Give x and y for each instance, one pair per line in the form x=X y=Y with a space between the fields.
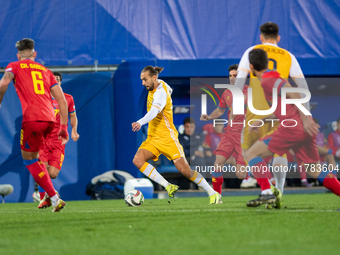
x=248 y=139
x=170 y=148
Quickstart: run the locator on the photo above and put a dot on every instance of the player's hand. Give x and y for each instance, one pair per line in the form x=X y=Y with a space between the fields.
x=205 y=117
x=63 y=134
x=74 y=135
x=136 y=126
x=310 y=126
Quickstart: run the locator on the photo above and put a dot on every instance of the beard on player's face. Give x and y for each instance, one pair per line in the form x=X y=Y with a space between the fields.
x=253 y=71
x=151 y=86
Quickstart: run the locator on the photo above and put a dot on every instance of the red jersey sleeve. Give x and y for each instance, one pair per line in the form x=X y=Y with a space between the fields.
x=331 y=142
x=226 y=100
x=53 y=80
x=207 y=141
x=11 y=68
x=70 y=103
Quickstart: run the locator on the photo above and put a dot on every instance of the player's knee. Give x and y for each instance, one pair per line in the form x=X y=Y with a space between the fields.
x=241 y=175
x=54 y=173
x=138 y=162
x=218 y=166
x=247 y=155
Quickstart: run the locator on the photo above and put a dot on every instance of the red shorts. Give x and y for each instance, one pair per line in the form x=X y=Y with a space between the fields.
x=53 y=153
x=33 y=134
x=231 y=146
x=283 y=139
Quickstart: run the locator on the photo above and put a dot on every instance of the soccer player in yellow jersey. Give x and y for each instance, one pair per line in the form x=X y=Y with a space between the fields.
x=281 y=61
x=163 y=136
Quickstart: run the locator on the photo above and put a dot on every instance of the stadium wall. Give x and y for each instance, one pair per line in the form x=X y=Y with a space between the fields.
x=80 y=32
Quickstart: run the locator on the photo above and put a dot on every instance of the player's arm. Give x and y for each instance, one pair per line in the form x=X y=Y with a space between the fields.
x=74 y=125
x=243 y=70
x=159 y=101
x=308 y=123
x=297 y=75
x=214 y=115
x=5 y=80
x=58 y=94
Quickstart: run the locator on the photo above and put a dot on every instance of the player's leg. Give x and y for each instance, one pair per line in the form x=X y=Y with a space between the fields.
x=309 y=152
x=224 y=151
x=42 y=192
x=217 y=175
x=326 y=177
x=260 y=171
x=56 y=159
x=182 y=166
x=30 y=150
x=141 y=162
x=279 y=174
x=241 y=169
x=328 y=155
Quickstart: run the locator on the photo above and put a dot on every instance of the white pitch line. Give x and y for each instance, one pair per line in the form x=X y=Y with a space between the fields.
x=188 y=211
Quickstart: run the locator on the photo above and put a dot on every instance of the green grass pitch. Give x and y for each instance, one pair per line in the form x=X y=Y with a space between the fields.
x=307 y=224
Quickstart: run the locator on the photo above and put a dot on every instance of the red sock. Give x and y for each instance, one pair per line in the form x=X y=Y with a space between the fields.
x=42 y=194
x=332 y=183
x=217 y=183
x=40 y=175
x=257 y=164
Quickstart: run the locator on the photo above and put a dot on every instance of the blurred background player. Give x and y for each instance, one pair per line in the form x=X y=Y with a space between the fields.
x=286 y=65
x=34 y=85
x=226 y=144
x=192 y=143
x=325 y=153
x=300 y=138
x=53 y=152
x=163 y=136
x=334 y=141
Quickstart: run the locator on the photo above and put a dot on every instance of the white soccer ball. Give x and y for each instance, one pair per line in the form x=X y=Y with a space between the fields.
x=134 y=198
x=36 y=196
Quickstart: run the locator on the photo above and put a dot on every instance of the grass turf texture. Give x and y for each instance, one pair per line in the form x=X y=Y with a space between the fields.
x=307 y=224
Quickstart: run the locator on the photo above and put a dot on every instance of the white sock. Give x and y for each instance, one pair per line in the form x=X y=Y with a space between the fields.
x=267 y=192
x=151 y=172
x=201 y=182
x=280 y=176
x=54 y=199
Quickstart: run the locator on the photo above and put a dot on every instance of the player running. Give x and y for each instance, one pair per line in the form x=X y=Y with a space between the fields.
x=53 y=152
x=230 y=143
x=300 y=138
x=163 y=136
x=286 y=65
x=34 y=85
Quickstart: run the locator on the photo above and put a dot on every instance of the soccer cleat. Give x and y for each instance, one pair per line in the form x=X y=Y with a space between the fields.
x=262 y=199
x=277 y=193
x=171 y=189
x=216 y=199
x=45 y=202
x=60 y=205
x=250 y=182
x=306 y=184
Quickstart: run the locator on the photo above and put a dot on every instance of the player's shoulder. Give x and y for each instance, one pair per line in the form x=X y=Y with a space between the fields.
x=271 y=74
x=12 y=65
x=226 y=92
x=163 y=88
x=246 y=53
x=272 y=79
x=67 y=95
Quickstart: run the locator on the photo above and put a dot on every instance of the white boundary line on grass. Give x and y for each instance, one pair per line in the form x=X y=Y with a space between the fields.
x=138 y=210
